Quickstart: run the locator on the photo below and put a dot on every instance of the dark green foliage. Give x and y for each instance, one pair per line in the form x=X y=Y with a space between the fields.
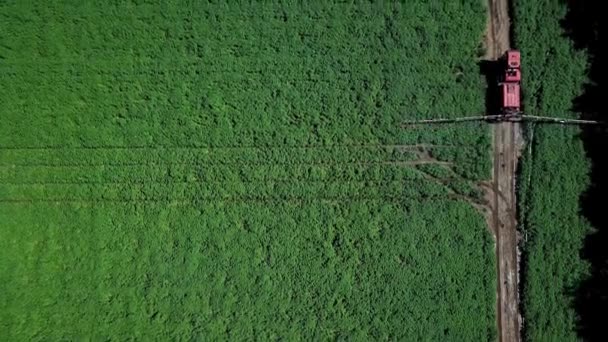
x=467 y=189
x=554 y=173
x=220 y=269
x=467 y=159
x=236 y=171
x=454 y=182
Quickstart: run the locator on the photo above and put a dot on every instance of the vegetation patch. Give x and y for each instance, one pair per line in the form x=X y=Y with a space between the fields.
x=554 y=173
x=229 y=171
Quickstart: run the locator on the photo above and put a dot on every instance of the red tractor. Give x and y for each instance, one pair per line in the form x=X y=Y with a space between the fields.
x=504 y=97
x=510 y=84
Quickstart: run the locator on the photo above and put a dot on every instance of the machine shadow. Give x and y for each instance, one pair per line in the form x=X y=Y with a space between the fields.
x=491 y=71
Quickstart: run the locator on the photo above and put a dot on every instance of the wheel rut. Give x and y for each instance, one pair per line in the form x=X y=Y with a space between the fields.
x=506 y=152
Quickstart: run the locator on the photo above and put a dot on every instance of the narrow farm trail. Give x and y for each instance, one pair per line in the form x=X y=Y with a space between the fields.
x=507 y=147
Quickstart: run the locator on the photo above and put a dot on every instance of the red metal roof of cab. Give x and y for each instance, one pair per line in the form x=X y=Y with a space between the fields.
x=513 y=58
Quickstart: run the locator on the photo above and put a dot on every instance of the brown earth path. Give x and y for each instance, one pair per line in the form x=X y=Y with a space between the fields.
x=507 y=146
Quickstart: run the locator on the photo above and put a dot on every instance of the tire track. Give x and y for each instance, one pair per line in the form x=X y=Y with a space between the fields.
x=506 y=153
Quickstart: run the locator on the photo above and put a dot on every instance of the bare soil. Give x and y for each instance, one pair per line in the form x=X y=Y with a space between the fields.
x=501 y=193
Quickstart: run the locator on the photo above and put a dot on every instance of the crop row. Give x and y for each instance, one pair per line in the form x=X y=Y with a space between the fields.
x=464 y=160
x=177 y=172
x=220 y=190
x=208 y=156
x=406 y=190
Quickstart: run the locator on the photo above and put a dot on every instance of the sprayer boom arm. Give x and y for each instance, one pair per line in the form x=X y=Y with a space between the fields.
x=503 y=118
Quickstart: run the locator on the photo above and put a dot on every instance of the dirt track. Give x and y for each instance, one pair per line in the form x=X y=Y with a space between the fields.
x=506 y=153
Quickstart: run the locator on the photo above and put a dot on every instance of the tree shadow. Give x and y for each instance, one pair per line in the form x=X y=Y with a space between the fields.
x=587 y=30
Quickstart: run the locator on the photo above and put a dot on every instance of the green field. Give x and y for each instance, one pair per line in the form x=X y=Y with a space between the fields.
x=237 y=171
x=554 y=173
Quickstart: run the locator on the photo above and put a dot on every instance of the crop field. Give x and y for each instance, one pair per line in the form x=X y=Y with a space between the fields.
x=554 y=174
x=184 y=170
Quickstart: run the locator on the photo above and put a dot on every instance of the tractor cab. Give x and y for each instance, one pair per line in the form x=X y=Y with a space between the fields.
x=513 y=59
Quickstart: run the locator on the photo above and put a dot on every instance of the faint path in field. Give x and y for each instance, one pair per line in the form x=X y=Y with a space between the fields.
x=416 y=154
x=235 y=147
x=103 y=161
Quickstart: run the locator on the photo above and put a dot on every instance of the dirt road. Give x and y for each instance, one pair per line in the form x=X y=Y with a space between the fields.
x=506 y=153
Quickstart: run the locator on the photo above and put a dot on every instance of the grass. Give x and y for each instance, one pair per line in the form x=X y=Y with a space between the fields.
x=229 y=171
